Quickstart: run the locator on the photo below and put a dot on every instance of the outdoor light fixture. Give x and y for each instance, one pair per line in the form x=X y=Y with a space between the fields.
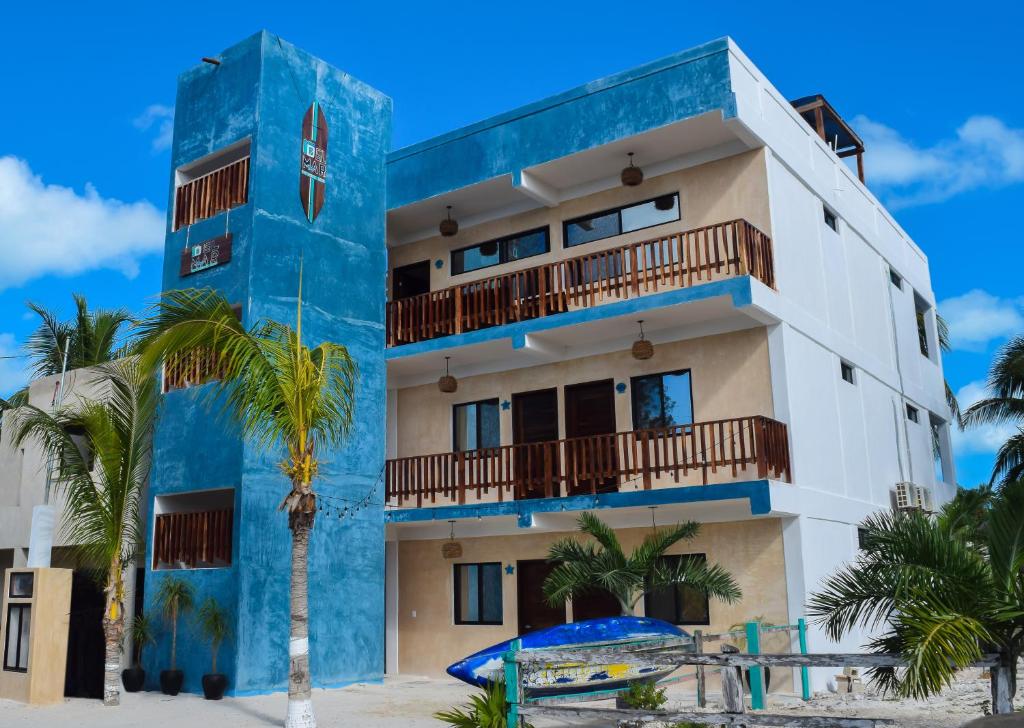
x=632 y=176
x=665 y=202
x=449 y=227
x=642 y=348
x=211 y=61
x=447 y=383
x=451 y=549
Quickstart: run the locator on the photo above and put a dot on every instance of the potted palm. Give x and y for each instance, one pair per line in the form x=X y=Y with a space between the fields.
x=213 y=624
x=174 y=596
x=141 y=631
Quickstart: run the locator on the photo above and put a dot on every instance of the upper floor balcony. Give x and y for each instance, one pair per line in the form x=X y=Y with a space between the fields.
x=677 y=260
x=698 y=453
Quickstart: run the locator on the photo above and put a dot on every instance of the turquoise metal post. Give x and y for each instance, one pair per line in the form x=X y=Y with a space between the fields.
x=512 y=685
x=757 y=698
x=805 y=678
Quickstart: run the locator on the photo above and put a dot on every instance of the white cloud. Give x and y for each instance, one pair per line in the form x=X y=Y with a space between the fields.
x=985 y=152
x=978 y=317
x=979 y=439
x=161 y=117
x=49 y=229
x=13 y=372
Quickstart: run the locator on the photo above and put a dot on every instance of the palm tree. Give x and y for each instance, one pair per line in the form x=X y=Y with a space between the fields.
x=284 y=395
x=174 y=597
x=1004 y=405
x=601 y=564
x=101 y=482
x=90 y=338
x=940 y=592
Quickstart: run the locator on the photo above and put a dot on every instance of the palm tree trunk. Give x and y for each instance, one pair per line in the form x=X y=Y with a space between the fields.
x=300 y=704
x=113 y=629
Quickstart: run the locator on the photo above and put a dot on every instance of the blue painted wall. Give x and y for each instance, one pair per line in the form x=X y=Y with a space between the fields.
x=261 y=91
x=685 y=84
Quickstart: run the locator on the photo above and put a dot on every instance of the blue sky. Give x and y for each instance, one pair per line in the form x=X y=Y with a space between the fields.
x=88 y=91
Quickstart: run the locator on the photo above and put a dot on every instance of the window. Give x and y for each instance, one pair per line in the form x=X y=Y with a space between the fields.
x=21 y=584
x=478 y=593
x=846 y=371
x=662 y=400
x=19 y=620
x=895 y=279
x=211 y=185
x=502 y=250
x=476 y=425
x=912 y=414
x=922 y=310
x=938 y=428
x=831 y=220
x=193 y=530
x=679 y=604
x=621 y=220
x=862 y=538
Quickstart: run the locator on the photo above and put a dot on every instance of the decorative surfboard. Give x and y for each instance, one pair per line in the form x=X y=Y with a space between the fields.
x=574 y=677
x=313 y=161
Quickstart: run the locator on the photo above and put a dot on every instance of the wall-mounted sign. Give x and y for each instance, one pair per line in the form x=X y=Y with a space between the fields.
x=313 y=161
x=205 y=255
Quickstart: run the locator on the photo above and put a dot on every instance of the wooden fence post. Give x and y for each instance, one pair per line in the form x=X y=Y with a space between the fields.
x=732 y=691
x=512 y=685
x=757 y=692
x=698 y=648
x=805 y=678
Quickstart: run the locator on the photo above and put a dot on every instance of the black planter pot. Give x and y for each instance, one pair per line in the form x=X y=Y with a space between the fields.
x=170 y=681
x=767 y=678
x=214 y=685
x=133 y=679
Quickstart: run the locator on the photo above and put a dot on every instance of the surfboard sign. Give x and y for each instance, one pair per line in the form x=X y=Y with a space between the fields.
x=549 y=679
x=313 y=161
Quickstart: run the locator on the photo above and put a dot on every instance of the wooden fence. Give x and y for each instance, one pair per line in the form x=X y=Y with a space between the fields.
x=727 y=249
x=596 y=463
x=197 y=538
x=190 y=368
x=518 y=662
x=212 y=193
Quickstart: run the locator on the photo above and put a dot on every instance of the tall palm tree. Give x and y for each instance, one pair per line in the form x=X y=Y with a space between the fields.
x=101 y=480
x=1004 y=405
x=285 y=396
x=940 y=592
x=600 y=563
x=90 y=338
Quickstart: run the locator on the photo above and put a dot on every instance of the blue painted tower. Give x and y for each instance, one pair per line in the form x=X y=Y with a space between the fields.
x=253 y=103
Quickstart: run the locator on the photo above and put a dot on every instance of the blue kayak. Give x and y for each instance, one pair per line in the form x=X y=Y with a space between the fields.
x=562 y=678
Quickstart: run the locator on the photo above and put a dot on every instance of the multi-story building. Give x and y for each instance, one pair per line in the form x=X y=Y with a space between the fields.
x=788 y=384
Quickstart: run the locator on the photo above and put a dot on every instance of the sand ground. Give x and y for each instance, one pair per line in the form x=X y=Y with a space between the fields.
x=407 y=702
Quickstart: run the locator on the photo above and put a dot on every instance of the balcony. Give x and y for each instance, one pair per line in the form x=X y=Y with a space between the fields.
x=192 y=540
x=696 y=454
x=724 y=250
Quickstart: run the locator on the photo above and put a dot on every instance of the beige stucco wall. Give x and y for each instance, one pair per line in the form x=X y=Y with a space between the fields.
x=719 y=191
x=430 y=641
x=729 y=375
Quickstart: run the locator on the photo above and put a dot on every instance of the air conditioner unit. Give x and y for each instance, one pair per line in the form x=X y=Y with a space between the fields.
x=907 y=497
x=924 y=498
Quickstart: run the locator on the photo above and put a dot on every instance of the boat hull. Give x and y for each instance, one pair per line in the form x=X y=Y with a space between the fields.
x=574 y=677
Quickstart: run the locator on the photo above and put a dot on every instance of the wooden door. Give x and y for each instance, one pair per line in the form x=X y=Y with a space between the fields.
x=590 y=413
x=595 y=604
x=534 y=612
x=410 y=280
x=535 y=434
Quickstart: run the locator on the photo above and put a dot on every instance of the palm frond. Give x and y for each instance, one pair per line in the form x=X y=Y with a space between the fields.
x=1009 y=463
x=600 y=531
x=709 y=579
x=655 y=544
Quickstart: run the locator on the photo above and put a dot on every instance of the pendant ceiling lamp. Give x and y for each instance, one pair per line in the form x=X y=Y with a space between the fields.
x=642 y=348
x=447 y=383
x=448 y=226
x=451 y=549
x=632 y=176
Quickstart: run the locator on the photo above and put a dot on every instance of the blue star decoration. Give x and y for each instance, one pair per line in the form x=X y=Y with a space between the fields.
x=510 y=569
x=620 y=387
x=506 y=404
x=439 y=264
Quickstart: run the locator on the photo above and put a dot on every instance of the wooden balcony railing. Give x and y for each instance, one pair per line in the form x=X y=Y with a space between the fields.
x=202 y=538
x=212 y=193
x=726 y=249
x=702 y=452
x=189 y=369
